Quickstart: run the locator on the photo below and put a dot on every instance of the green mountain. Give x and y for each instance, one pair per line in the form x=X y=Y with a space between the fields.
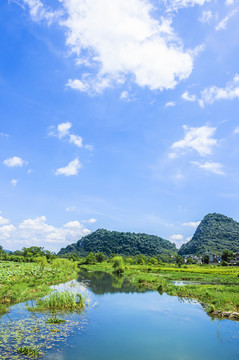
x=215 y=233
x=123 y=243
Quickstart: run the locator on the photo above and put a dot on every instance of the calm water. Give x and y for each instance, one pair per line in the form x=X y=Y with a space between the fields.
x=123 y=324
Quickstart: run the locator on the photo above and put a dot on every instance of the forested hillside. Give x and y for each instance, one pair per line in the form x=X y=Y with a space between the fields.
x=215 y=233
x=123 y=243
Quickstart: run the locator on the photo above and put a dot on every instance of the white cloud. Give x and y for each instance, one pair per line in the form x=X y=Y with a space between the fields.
x=214 y=93
x=174 y=5
x=206 y=16
x=187 y=97
x=71 y=169
x=77 y=140
x=213 y=167
x=39 y=12
x=63 y=129
x=170 y=104
x=189 y=238
x=222 y=25
x=90 y=221
x=124 y=95
x=71 y=208
x=14 y=162
x=4 y=221
x=176 y=237
x=14 y=182
x=199 y=139
x=37 y=232
x=78 y=85
x=193 y=224
x=236 y=130
x=62 y=132
x=120 y=40
x=229 y=2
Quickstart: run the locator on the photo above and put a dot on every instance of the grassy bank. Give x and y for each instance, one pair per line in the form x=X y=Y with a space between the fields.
x=25 y=281
x=218 y=287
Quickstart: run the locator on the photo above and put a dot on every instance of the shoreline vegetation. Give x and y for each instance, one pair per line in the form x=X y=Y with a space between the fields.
x=215 y=287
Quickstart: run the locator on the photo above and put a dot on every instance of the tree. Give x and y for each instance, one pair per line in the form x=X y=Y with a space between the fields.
x=99 y=257
x=179 y=260
x=205 y=259
x=227 y=255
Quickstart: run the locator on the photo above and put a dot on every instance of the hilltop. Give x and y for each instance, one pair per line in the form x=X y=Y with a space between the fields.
x=123 y=243
x=215 y=233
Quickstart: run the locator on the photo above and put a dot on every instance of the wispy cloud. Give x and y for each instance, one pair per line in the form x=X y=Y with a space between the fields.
x=222 y=25
x=71 y=169
x=174 y=5
x=14 y=161
x=170 y=104
x=213 y=167
x=199 y=139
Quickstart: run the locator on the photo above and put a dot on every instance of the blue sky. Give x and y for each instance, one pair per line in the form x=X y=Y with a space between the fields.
x=116 y=114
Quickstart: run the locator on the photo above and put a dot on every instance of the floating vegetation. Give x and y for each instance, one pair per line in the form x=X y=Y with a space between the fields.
x=55 y=320
x=32 y=337
x=60 y=301
x=30 y=351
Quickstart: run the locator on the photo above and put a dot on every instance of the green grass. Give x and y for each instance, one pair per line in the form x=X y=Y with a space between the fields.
x=63 y=301
x=55 y=320
x=20 y=282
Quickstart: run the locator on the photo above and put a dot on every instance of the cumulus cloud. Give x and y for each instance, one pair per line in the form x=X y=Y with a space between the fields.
x=215 y=168
x=193 y=224
x=71 y=169
x=199 y=139
x=222 y=25
x=36 y=232
x=14 y=161
x=121 y=41
x=62 y=132
x=214 y=93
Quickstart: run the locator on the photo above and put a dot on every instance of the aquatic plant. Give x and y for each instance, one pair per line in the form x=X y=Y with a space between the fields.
x=55 y=320
x=64 y=300
x=33 y=352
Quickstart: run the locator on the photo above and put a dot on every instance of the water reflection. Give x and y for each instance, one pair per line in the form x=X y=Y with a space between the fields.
x=101 y=283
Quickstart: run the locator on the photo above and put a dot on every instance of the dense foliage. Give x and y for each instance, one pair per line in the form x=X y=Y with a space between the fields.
x=214 y=234
x=113 y=242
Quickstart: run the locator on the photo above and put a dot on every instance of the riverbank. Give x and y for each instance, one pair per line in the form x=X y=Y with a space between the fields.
x=217 y=288
x=20 y=282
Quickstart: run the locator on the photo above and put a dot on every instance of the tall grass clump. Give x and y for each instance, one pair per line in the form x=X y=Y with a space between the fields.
x=61 y=301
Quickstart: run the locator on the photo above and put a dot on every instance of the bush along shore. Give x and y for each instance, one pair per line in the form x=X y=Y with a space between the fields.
x=215 y=287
